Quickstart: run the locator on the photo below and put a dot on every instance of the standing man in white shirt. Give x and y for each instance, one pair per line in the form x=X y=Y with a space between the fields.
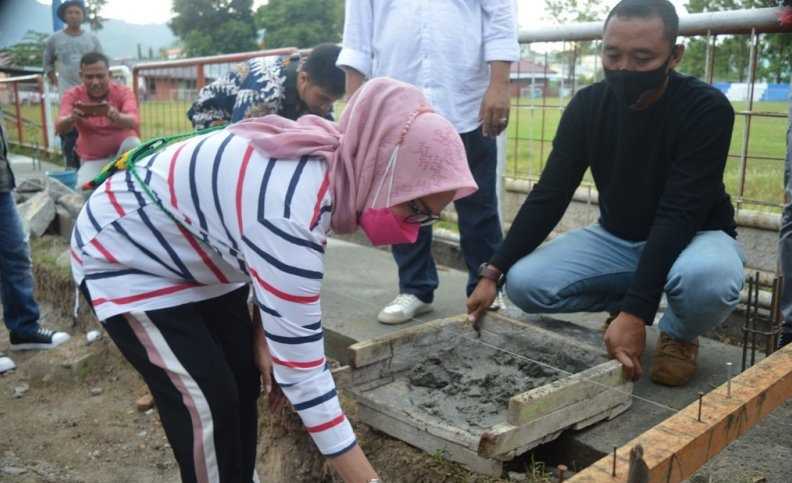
x=459 y=53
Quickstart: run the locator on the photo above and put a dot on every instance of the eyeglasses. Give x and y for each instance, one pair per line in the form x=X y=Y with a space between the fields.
x=420 y=216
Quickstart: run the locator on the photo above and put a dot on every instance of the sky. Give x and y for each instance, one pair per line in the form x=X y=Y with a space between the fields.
x=530 y=12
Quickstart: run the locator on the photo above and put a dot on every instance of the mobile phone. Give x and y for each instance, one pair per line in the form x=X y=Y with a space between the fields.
x=94 y=108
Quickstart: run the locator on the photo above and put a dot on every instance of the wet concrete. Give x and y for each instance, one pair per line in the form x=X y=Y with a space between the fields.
x=468 y=385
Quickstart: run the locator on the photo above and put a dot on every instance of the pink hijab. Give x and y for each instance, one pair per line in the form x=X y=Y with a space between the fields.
x=381 y=114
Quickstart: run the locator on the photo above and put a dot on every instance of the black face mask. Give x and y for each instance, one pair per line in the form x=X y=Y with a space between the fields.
x=629 y=85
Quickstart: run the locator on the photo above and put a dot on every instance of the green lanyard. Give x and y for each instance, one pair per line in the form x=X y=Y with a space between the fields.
x=128 y=161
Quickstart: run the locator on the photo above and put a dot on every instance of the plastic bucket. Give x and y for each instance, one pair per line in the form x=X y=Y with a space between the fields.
x=67 y=177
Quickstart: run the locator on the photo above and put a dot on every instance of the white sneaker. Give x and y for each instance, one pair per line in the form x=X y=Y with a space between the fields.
x=6 y=364
x=403 y=308
x=498 y=303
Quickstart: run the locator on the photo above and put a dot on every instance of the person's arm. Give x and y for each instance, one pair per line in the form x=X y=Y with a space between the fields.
x=216 y=101
x=693 y=186
x=499 y=35
x=126 y=117
x=69 y=115
x=545 y=204
x=287 y=277
x=49 y=61
x=356 y=52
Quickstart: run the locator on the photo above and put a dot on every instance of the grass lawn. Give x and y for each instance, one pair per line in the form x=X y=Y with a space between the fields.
x=527 y=153
x=530 y=124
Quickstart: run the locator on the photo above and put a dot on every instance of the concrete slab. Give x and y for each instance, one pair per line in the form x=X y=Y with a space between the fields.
x=359 y=282
x=665 y=401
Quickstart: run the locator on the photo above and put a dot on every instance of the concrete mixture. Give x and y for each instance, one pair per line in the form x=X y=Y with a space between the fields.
x=472 y=383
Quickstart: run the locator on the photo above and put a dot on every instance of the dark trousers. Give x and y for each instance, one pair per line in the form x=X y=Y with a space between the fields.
x=785 y=242
x=197 y=360
x=20 y=310
x=68 y=143
x=479 y=226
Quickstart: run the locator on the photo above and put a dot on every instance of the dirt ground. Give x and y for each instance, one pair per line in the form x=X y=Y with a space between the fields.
x=68 y=415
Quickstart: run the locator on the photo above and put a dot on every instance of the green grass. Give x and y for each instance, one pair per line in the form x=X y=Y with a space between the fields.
x=526 y=152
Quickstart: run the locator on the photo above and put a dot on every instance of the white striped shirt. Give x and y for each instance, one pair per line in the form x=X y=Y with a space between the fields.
x=242 y=218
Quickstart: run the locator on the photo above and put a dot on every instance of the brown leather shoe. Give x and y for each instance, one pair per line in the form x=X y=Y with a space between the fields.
x=674 y=362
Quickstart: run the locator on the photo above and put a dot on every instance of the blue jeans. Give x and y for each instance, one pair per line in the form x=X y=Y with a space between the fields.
x=20 y=311
x=785 y=240
x=479 y=226
x=590 y=270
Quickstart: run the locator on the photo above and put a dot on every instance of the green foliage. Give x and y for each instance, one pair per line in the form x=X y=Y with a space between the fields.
x=210 y=27
x=93 y=9
x=29 y=51
x=301 y=23
x=732 y=52
x=571 y=11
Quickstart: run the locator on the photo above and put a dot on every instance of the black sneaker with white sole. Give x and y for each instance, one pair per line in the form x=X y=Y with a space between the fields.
x=40 y=339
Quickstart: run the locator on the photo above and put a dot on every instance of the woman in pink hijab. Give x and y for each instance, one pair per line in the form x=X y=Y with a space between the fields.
x=165 y=253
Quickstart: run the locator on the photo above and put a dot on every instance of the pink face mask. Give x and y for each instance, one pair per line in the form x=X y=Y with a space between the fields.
x=381 y=225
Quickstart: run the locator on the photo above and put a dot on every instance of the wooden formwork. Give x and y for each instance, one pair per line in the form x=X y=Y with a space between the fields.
x=531 y=417
x=677 y=447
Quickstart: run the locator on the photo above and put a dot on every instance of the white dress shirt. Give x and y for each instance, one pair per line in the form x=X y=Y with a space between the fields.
x=441 y=46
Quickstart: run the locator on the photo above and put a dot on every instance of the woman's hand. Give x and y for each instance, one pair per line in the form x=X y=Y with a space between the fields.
x=263 y=359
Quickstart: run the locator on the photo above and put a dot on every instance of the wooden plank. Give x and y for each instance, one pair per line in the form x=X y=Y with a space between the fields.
x=381 y=348
x=677 y=447
x=541 y=401
x=505 y=438
x=429 y=442
x=397 y=389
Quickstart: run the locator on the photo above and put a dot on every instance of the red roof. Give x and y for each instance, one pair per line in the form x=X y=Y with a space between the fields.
x=525 y=66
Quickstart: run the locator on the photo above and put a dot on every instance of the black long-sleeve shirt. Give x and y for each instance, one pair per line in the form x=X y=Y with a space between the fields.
x=659 y=173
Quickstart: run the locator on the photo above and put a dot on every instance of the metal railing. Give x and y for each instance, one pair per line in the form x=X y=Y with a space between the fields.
x=27 y=116
x=755 y=166
x=165 y=90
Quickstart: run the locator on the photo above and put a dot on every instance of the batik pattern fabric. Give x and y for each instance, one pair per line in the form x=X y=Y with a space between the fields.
x=251 y=89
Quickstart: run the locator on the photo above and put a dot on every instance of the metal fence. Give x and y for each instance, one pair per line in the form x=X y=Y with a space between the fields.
x=557 y=62
x=24 y=110
x=560 y=60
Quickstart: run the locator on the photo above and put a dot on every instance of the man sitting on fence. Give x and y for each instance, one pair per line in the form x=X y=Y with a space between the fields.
x=656 y=143
x=105 y=114
x=272 y=85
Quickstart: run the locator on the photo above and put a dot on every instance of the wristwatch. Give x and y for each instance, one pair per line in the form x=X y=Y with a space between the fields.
x=489 y=272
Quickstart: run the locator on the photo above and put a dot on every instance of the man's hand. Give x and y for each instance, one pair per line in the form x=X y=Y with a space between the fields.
x=75 y=114
x=480 y=300
x=625 y=340
x=494 y=112
x=113 y=114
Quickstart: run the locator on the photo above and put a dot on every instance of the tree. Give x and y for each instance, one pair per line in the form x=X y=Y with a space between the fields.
x=301 y=23
x=571 y=11
x=732 y=52
x=29 y=51
x=93 y=10
x=209 y=27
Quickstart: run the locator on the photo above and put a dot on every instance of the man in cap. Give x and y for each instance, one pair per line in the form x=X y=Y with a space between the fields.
x=62 y=54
